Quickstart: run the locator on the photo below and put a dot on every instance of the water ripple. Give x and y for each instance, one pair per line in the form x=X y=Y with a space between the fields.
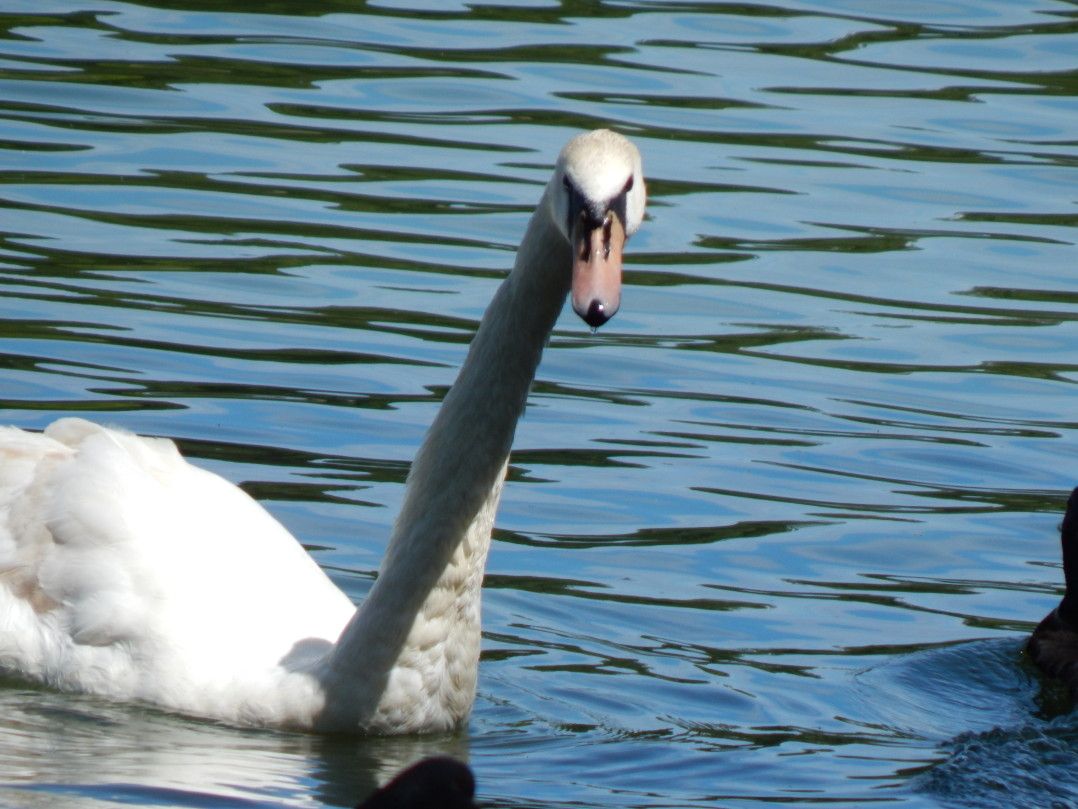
x=772 y=536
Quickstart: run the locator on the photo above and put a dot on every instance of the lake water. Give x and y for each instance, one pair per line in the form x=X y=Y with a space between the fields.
x=774 y=535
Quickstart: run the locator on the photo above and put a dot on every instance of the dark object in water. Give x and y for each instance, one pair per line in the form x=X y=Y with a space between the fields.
x=439 y=782
x=1053 y=646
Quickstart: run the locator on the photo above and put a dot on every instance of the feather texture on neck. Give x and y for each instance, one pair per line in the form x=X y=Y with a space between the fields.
x=432 y=572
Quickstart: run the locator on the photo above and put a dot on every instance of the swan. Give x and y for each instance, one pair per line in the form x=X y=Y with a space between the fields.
x=438 y=781
x=129 y=573
x=1053 y=646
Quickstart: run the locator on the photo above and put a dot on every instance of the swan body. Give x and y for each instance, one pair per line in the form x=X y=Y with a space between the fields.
x=1053 y=646
x=127 y=572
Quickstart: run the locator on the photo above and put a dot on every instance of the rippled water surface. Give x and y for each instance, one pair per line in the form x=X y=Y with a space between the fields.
x=772 y=536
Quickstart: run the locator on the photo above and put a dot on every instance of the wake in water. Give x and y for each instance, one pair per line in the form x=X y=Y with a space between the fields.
x=1002 y=737
x=1033 y=765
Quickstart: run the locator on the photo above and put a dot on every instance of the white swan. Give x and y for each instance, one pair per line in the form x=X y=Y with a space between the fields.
x=129 y=573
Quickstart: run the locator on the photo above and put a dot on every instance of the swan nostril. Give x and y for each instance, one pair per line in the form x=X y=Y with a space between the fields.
x=596 y=315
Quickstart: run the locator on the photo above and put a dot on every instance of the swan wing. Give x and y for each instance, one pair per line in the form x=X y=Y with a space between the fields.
x=127 y=571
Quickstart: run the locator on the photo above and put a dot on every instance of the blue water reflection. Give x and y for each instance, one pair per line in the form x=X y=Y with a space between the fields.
x=773 y=536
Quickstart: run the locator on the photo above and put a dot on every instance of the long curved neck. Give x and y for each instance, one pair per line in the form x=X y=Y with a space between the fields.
x=434 y=564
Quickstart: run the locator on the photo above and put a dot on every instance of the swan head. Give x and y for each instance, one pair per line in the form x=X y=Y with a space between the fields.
x=596 y=198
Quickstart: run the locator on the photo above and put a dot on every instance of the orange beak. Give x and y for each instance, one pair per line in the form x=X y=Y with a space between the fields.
x=597 y=251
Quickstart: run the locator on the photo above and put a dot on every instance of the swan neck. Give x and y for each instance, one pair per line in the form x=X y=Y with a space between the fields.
x=432 y=572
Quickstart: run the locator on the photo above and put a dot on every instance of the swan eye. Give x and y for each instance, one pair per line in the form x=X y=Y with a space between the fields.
x=565 y=182
x=628 y=185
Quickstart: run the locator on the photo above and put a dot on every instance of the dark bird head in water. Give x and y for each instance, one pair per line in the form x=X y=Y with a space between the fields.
x=433 y=783
x=1053 y=646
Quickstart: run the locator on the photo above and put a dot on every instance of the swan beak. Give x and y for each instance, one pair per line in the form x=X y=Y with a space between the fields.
x=597 y=249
